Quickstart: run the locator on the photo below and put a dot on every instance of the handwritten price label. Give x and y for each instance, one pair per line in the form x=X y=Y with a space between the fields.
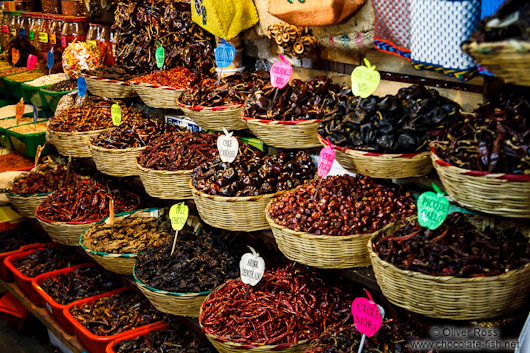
x=228 y=146
x=50 y=59
x=325 y=161
x=159 y=56
x=178 y=214
x=15 y=56
x=433 y=208
x=115 y=113
x=32 y=62
x=35 y=114
x=281 y=73
x=251 y=267
x=365 y=80
x=224 y=54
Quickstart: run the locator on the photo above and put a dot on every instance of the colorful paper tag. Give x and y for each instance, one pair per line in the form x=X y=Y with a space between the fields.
x=32 y=62
x=325 y=161
x=15 y=55
x=251 y=268
x=43 y=37
x=115 y=113
x=63 y=41
x=366 y=315
x=81 y=86
x=22 y=32
x=19 y=109
x=365 y=80
x=111 y=212
x=5 y=29
x=281 y=73
x=31 y=35
x=178 y=214
x=159 y=56
x=92 y=42
x=50 y=59
x=228 y=146
x=432 y=208
x=53 y=38
x=224 y=54
x=35 y=114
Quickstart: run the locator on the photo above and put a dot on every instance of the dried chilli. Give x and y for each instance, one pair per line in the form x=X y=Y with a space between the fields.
x=117 y=72
x=14 y=161
x=47 y=260
x=179 y=77
x=62 y=86
x=47 y=178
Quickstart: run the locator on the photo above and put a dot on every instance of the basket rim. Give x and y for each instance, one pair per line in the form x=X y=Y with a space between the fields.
x=115 y=150
x=199 y=108
x=74 y=133
x=232 y=198
x=63 y=92
x=279 y=122
x=29 y=195
x=162 y=172
x=122 y=83
x=150 y=85
x=163 y=292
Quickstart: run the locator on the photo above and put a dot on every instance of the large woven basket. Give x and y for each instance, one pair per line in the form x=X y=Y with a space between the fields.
x=506 y=195
x=26 y=204
x=215 y=118
x=285 y=134
x=158 y=96
x=104 y=87
x=165 y=184
x=509 y=60
x=73 y=144
x=64 y=232
x=246 y=213
x=224 y=346
x=382 y=165
x=116 y=162
x=322 y=251
x=448 y=297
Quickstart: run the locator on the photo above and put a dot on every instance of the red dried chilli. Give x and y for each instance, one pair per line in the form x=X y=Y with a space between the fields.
x=287 y=306
x=344 y=205
x=46 y=178
x=178 y=77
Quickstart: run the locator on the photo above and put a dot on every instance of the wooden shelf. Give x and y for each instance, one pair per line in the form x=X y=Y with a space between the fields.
x=46 y=318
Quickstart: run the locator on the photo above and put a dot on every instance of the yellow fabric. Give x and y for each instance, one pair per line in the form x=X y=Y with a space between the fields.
x=224 y=18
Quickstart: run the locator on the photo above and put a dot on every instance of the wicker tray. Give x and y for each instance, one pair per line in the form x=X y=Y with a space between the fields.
x=104 y=87
x=285 y=134
x=509 y=62
x=64 y=232
x=506 y=195
x=157 y=96
x=322 y=251
x=215 y=118
x=73 y=144
x=382 y=165
x=246 y=214
x=165 y=184
x=26 y=204
x=115 y=162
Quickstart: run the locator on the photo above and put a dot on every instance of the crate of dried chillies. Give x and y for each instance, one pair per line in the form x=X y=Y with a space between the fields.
x=117 y=246
x=327 y=223
x=233 y=196
x=216 y=105
x=477 y=268
x=387 y=137
x=72 y=129
x=68 y=211
x=166 y=165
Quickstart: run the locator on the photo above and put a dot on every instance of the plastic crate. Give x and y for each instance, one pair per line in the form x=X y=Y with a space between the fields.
x=5 y=274
x=132 y=336
x=4 y=89
x=12 y=311
x=27 y=144
x=4 y=102
x=50 y=99
x=32 y=94
x=14 y=86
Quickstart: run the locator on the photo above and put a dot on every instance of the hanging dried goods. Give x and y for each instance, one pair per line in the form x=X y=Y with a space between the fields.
x=21 y=235
x=49 y=259
x=178 y=77
x=295 y=41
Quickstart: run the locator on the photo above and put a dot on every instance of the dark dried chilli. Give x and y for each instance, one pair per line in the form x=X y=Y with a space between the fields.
x=47 y=260
x=47 y=178
x=62 y=86
x=21 y=235
x=117 y=72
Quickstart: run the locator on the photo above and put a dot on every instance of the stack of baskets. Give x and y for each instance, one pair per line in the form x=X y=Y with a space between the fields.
x=154 y=96
x=73 y=144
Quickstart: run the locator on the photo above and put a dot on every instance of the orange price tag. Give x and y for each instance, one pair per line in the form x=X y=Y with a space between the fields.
x=19 y=109
x=15 y=55
x=111 y=212
x=37 y=155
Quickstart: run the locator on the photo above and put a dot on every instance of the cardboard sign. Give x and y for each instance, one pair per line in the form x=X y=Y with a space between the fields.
x=115 y=113
x=15 y=56
x=325 y=161
x=32 y=62
x=224 y=54
x=432 y=208
x=228 y=146
x=35 y=114
x=251 y=267
x=281 y=73
x=81 y=86
x=365 y=80
x=50 y=59
x=366 y=315
x=178 y=214
x=159 y=56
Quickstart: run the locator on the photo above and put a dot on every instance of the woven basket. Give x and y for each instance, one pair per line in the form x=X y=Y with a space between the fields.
x=63 y=232
x=158 y=96
x=322 y=251
x=224 y=346
x=285 y=134
x=182 y=304
x=104 y=87
x=165 y=184
x=509 y=62
x=27 y=204
x=382 y=165
x=506 y=195
x=115 y=162
x=450 y=297
x=215 y=118
x=73 y=144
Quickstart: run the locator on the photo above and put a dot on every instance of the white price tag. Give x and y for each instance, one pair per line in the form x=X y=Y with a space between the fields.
x=252 y=268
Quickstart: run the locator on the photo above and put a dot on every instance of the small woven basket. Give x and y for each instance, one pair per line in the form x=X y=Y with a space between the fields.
x=382 y=165
x=322 y=251
x=165 y=184
x=26 y=204
x=215 y=118
x=451 y=297
x=158 y=96
x=285 y=134
x=509 y=60
x=104 y=87
x=63 y=232
x=116 y=162
x=73 y=144
x=246 y=213
x=506 y=195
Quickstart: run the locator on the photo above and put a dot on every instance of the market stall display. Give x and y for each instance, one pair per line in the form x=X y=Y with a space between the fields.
x=15 y=161
x=79 y=56
x=31 y=89
x=111 y=82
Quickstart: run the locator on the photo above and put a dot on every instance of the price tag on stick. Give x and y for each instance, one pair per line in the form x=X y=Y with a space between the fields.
x=228 y=146
x=251 y=268
x=81 y=86
x=178 y=214
x=31 y=62
x=433 y=208
x=159 y=55
x=15 y=56
x=325 y=162
x=224 y=54
x=115 y=113
x=365 y=80
x=367 y=316
x=111 y=212
x=37 y=155
x=50 y=60
x=19 y=110
x=281 y=73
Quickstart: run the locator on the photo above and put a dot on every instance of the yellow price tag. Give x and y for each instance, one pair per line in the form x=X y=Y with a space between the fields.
x=365 y=80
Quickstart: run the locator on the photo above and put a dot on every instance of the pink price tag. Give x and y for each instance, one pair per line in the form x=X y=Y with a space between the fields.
x=32 y=61
x=325 y=161
x=366 y=315
x=281 y=72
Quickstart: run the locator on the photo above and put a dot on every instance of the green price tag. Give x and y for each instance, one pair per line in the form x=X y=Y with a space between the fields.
x=31 y=35
x=179 y=215
x=115 y=113
x=432 y=208
x=159 y=55
x=365 y=80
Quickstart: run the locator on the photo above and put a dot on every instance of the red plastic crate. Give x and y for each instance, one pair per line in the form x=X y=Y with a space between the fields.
x=92 y=342
x=13 y=311
x=5 y=274
x=158 y=327
x=54 y=308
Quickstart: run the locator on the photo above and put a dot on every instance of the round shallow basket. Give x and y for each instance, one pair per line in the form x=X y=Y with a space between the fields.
x=506 y=195
x=73 y=144
x=509 y=60
x=116 y=162
x=165 y=184
x=224 y=346
x=245 y=213
x=182 y=304
x=285 y=134
x=104 y=87
x=158 y=96
x=382 y=165
x=322 y=251
x=26 y=204
x=215 y=118
x=65 y=233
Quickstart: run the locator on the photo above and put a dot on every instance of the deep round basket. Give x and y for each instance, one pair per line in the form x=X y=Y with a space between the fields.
x=158 y=96
x=104 y=87
x=73 y=144
x=166 y=184
x=116 y=162
x=285 y=134
x=215 y=118
x=26 y=204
